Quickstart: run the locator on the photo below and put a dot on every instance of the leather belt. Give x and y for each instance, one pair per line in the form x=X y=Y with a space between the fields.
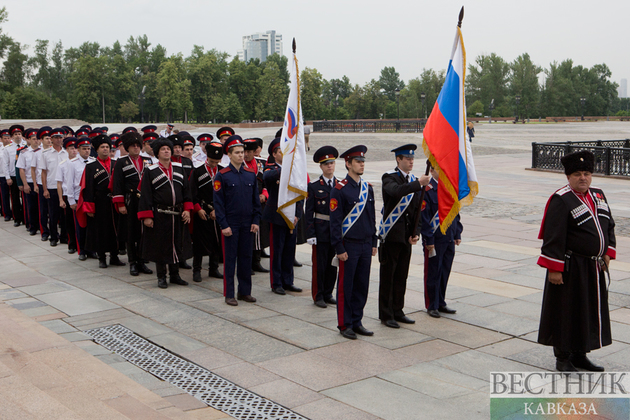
x=173 y=210
x=322 y=216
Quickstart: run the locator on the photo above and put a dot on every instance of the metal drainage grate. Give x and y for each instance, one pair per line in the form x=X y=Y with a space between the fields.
x=202 y=384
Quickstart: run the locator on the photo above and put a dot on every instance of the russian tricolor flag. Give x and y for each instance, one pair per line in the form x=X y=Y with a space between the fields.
x=445 y=141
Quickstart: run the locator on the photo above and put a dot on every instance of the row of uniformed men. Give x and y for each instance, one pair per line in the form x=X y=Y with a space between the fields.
x=340 y=217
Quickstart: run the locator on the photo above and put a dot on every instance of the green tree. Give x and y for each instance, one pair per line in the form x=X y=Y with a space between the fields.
x=5 y=40
x=487 y=80
x=474 y=109
x=429 y=83
x=390 y=81
x=311 y=82
x=523 y=81
x=273 y=94
x=14 y=71
x=128 y=110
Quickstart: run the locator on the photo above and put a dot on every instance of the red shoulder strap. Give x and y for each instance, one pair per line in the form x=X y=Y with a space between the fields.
x=225 y=170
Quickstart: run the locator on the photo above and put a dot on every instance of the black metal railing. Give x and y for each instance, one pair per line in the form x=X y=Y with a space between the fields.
x=612 y=157
x=369 y=126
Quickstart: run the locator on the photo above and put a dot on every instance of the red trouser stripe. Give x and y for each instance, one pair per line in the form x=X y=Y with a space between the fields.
x=340 y=297
x=271 y=254
x=223 y=246
x=314 y=281
x=427 y=300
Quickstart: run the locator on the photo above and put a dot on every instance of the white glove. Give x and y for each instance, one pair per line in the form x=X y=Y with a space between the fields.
x=311 y=241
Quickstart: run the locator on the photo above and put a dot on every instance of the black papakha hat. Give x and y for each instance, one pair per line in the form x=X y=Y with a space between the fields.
x=578 y=161
x=131 y=138
x=159 y=143
x=100 y=139
x=214 y=150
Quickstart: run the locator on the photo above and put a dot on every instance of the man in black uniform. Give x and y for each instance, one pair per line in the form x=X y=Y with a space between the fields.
x=439 y=250
x=206 y=232
x=164 y=208
x=283 y=240
x=251 y=145
x=578 y=234
x=95 y=201
x=318 y=227
x=127 y=173
x=398 y=233
x=353 y=235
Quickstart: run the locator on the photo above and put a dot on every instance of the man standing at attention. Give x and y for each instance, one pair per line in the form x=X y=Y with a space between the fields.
x=578 y=234
x=353 y=235
x=398 y=234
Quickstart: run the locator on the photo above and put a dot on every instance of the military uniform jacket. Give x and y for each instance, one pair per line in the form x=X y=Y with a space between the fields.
x=236 y=200
x=395 y=187
x=206 y=233
x=342 y=199
x=271 y=177
x=570 y=225
x=166 y=242
x=576 y=227
x=126 y=181
x=318 y=203
x=186 y=163
x=96 y=198
x=429 y=209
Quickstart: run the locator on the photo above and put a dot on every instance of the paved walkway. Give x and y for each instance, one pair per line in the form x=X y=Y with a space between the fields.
x=283 y=347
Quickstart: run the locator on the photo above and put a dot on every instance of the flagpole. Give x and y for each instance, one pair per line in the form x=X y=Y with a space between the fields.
x=426 y=172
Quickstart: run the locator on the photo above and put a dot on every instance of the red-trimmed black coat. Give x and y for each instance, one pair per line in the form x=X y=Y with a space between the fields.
x=574 y=314
x=96 y=198
x=167 y=242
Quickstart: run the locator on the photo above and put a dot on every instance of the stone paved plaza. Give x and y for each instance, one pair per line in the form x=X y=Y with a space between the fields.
x=286 y=349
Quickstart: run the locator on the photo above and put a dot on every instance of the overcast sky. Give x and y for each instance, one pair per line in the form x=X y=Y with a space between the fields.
x=346 y=37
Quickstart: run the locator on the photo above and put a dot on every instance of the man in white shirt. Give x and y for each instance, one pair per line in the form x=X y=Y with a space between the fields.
x=50 y=161
x=10 y=158
x=26 y=175
x=43 y=135
x=64 y=188
x=167 y=131
x=4 y=187
x=74 y=190
x=199 y=158
x=147 y=139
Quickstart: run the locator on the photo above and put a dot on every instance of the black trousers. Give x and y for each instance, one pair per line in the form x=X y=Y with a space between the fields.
x=324 y=274
x=32 y=204
x=394 y=270
x=69 y=223
x=5 y=192
x=173 y=269
x=54 y=212
x=16 y=201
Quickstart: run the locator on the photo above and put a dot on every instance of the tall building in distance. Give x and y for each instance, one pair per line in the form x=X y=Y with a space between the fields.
x=260 y=45
x=623 y=88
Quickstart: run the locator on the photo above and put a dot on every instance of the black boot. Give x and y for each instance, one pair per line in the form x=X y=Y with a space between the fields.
x=142 y=267
x=114 y=260
x=173 y=271
x=563 y=364
x=133 y=269
x=579 y=360
x=162 y=284
x=296 y=263
x=102 y=262
x=197 y=276
x=185 y=265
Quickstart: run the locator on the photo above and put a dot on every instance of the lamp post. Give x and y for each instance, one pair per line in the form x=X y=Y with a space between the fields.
x=141 y=97
x=397 y=92
x=423 y=96
x=491 y=107
x=582 y=102
x=518 y=101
